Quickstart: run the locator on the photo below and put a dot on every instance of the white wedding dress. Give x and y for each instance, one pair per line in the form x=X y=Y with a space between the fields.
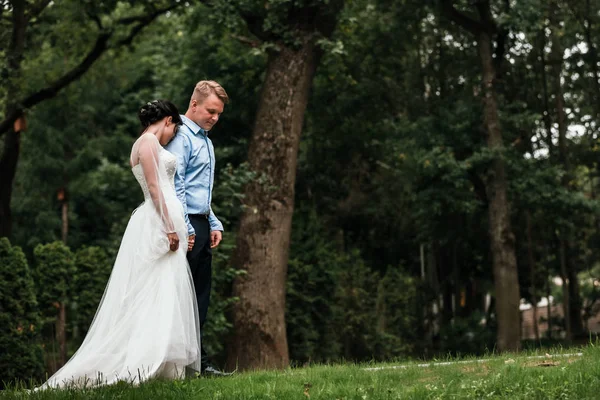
x=147 y=322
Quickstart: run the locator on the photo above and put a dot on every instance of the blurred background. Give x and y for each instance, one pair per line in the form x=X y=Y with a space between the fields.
x=434 y=164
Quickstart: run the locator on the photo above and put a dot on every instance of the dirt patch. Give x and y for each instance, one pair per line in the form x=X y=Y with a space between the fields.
x=477 y=370
x=550 y=362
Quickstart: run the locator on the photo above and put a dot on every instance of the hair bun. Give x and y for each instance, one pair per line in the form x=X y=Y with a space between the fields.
x=150 y=113
x=156 y=110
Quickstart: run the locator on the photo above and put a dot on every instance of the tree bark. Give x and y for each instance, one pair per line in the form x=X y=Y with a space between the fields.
x=263 y=240
x=578 y=329
x=506 y=280
x=64 y=202
x=8 y=168
x=532 y=270
x=565 y=288
x=548 y=297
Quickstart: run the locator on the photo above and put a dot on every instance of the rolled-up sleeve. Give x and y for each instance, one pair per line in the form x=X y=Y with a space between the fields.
x=215 y=224
x=180 y=148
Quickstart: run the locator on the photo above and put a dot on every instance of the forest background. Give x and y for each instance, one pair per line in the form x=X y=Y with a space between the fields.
x=412 y=176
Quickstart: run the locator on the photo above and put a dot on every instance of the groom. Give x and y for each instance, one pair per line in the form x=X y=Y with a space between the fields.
x=194 y=182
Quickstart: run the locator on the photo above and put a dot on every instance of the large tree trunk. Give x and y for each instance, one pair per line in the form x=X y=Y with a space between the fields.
x=578 y=330
x=259 y=339
x=506 y=280
x=8 y=169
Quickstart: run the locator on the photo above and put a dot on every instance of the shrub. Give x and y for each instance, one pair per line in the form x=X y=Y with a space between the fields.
x=20 y=351
x=93 y=268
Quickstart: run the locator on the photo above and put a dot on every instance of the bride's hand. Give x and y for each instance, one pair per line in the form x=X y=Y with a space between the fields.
x=173 y=241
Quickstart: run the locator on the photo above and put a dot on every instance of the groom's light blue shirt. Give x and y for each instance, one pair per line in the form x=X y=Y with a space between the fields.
x=195 y=172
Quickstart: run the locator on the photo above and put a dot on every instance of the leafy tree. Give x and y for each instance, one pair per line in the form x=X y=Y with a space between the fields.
x=487 y=31
x=53 y=275
x=92 y=270
x=314 y=266
x=289 y=32
x=21 y=355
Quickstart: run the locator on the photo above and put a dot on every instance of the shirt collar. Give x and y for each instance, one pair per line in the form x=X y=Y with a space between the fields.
x=194 y=127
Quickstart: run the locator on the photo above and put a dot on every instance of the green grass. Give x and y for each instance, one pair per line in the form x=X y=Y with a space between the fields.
x=507 y=377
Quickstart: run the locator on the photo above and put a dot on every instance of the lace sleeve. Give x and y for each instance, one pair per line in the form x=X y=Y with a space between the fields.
x=146 y=152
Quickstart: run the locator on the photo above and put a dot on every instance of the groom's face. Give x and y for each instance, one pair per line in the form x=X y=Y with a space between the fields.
x=206 y=112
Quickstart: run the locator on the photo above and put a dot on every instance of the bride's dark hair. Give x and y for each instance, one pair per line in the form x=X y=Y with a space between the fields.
x=156 y=110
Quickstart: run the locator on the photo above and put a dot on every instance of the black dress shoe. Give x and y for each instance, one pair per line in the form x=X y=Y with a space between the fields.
x=209 y=370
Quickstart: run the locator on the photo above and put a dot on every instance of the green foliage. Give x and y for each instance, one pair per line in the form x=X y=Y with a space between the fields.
x=228 y=204
x=399 y=313
x=375 y=315
x=467 y=336
x=92 y=270
x=338 y=308
x=590 y=291
x=313 y=271
x=276 y=21
x=20 y=324
x=356 y=302
x=53 y=274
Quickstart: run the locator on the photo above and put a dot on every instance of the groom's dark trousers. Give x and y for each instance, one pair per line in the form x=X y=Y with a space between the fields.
x=200 y=260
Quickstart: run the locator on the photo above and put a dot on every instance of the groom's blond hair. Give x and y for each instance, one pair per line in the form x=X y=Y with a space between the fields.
x=204 y=89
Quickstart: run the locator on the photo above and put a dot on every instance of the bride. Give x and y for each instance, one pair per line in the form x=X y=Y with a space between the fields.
x=147 y=322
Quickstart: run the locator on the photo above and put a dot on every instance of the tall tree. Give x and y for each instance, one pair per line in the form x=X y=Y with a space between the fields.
x=289 y=31
x=506 y=281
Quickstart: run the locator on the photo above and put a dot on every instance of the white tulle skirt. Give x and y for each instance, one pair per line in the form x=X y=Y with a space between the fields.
x=147 y=322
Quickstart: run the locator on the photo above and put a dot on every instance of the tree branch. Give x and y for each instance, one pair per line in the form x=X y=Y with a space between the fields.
x=485 y=13
x=100 y=46
x=500 y=50
x=144 y=21
x=246 y=40
x=52 y=90
x=37 y=8
x=255 y=23
x=148 y=17
x=16 y=46
x=461 y=19
x=96 y=19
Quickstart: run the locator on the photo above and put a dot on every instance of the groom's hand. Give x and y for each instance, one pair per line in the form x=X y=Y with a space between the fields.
x=191 y=241
x=215 y=238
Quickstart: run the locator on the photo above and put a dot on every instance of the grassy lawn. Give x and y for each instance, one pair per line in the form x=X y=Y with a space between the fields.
x=525 y=376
